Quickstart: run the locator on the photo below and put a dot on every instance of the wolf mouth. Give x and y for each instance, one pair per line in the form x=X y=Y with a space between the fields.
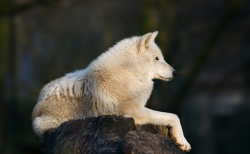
x=165 y=78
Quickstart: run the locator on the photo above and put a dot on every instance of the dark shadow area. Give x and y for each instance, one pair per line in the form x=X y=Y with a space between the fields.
x=207 y=42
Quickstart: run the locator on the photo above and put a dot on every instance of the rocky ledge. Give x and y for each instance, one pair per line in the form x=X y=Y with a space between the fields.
x=109 y=135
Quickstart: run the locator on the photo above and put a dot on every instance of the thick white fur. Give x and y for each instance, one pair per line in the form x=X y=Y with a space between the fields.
x=118 y=82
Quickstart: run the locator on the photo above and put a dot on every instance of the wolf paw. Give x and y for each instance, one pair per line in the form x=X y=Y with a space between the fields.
x=183 y=144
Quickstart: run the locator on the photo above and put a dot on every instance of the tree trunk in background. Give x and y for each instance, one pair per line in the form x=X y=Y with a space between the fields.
x=204 y=54
x=12 y=84
x=3 y=48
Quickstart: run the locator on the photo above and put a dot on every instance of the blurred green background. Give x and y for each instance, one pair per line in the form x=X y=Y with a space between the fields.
x=206 y=41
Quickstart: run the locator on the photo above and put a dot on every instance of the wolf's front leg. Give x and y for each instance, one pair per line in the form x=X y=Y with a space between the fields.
x=145 y=115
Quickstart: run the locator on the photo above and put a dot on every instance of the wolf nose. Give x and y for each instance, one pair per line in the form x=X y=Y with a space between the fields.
x=175 y=73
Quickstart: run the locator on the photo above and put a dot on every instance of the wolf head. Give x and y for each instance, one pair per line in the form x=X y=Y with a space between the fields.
x=151 y=57
x=139 y=55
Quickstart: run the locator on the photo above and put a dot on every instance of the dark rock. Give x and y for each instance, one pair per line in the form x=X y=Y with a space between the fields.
x=146 y=143
x=154 y=129
x=104 y=135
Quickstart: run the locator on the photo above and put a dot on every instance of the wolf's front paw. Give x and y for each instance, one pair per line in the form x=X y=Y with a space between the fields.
x=182 y=143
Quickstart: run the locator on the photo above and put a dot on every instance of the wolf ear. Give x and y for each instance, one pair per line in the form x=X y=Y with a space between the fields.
x=145 y=40
x=154 y=34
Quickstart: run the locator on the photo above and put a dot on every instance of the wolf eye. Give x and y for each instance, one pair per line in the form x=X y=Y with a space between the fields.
x=156 y=58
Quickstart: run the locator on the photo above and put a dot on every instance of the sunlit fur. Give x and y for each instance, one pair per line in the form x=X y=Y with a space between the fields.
x=118 y=82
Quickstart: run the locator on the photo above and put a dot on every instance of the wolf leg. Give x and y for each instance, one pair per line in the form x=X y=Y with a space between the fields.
x=145 y=115
x=44 y=123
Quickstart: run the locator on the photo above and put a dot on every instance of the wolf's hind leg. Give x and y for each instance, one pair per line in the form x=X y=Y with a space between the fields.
x=43 y=123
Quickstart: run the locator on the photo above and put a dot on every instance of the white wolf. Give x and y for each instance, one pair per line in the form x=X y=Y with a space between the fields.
x=118 y=82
